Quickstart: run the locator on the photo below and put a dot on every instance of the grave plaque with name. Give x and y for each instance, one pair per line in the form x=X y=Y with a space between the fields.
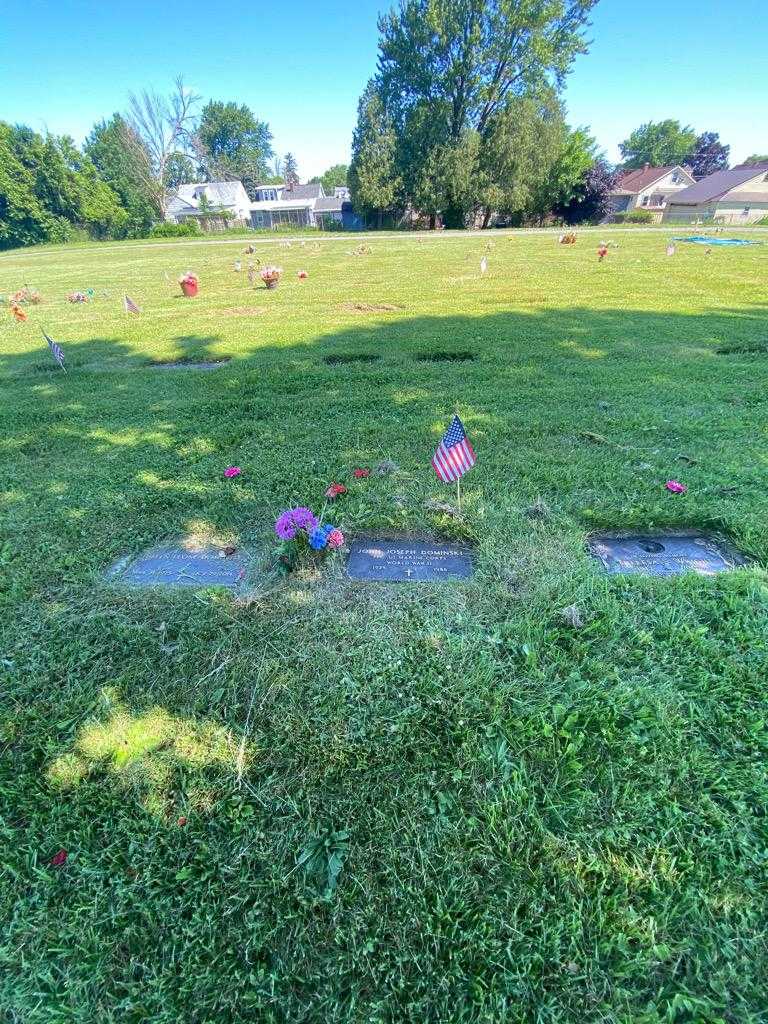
x=405 y=560
x=178 y=566
x=663 y=554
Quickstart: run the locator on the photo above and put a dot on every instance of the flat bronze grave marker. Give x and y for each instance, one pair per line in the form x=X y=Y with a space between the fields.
x=406 y=560
x=663 y=554
x=177 y=566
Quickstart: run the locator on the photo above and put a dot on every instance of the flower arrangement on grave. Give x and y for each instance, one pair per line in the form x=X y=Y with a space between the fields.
x=18 y=313
x=303 y=275
x=334 y=490
x=602 y=252
x=77 y=297
x=301 y=532
x=569 y=238
x=271 y=276
x=189 y=284
x=26 y=296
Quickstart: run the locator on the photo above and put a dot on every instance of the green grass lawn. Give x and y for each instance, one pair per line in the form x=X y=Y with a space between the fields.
x=533 y=822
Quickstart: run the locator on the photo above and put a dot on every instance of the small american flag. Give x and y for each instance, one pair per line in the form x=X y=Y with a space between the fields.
x=56 y=351
x=454 y=455
x=130 y=306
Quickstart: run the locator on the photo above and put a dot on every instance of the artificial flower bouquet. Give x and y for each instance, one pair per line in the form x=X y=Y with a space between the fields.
x=271 y=276
x=189 y=284
x=299 y=530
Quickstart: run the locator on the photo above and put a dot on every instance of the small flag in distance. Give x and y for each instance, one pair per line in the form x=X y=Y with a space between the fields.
x=483 y=265
x=454 y=455
x=130 y=306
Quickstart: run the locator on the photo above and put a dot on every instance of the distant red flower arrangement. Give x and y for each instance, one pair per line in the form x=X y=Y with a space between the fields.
x=334 y=491
x=361 y=474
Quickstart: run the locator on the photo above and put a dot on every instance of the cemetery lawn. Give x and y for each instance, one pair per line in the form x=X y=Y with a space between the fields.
x=341 y=802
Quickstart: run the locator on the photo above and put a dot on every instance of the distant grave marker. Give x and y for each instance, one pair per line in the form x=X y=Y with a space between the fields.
x=445 y=357
x=189 y=364
x=174 y=565
x=407 y=560
x=663 y=554
x=342 y=358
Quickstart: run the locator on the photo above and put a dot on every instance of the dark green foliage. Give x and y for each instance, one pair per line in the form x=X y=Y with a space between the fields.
x=333 y=177
x=49 y=190
x=445 y=109
x=591 y=200
x=633 y=217
x=186 y=229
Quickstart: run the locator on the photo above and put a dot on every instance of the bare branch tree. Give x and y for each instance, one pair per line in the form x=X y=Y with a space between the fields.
x=164 y=125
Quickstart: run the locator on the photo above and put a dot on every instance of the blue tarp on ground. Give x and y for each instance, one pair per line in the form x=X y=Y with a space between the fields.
x=703 y=240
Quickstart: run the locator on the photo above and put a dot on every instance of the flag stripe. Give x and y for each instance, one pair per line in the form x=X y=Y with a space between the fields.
x=454 y=455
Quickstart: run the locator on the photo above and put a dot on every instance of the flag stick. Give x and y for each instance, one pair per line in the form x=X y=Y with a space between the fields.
x=458 y=493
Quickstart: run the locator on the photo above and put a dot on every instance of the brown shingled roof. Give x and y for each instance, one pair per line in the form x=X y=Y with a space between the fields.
x=643 y=177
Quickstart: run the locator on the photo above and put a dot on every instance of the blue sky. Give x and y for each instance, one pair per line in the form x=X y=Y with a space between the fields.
x=302 y=66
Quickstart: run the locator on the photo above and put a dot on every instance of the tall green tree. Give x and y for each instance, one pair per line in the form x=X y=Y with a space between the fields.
x=123 y=163
x=660 y=144
x=374 y=182
x=756 y=158
x=709 y=155
x=231 y=142
x=290 y=170
x=451 y=66
x=23 y=218
x=67 y=184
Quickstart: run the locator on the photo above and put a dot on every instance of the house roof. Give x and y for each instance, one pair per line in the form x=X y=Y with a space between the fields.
x=218 y=193
x=717 y=185
x=328 y=204
x=303 y=191
x=282 y=204
x=631 y=182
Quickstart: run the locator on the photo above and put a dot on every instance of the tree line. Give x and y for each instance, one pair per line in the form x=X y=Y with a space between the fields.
x=462 y=122
x=119 y=182
x=464 y=119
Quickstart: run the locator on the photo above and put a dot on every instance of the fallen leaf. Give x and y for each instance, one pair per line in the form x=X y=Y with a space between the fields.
x=572 y=617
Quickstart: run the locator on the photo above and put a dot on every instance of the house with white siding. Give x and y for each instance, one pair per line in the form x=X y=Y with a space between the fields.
x=736 y=196
x=206 y=199
x=649 y=188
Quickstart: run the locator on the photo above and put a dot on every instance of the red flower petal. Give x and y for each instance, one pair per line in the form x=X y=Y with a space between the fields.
x=362 y=473
x=58 y=859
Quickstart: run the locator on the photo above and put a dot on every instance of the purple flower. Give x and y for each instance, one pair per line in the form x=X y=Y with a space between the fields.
x=284 y=527
x=293 y=520
x=303 y=519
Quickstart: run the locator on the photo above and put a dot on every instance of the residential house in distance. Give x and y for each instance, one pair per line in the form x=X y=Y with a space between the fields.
x=649 y=188
x=216 y=197
x=301 y=206
x=737 y=196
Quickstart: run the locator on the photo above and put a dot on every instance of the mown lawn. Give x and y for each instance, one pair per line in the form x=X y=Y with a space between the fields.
x=535 y=822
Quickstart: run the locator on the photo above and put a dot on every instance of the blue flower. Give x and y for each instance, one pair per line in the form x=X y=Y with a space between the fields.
x=318 y=539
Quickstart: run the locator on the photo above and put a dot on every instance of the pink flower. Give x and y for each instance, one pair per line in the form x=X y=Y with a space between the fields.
x=335 y=539
x=334 y=491
x=231 y=471
x=361 y=474
x=675 y=487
